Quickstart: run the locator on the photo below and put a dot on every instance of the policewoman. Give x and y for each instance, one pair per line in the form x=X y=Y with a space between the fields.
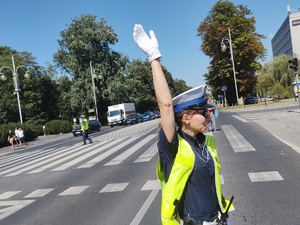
x=85 y=129
x=188 y=167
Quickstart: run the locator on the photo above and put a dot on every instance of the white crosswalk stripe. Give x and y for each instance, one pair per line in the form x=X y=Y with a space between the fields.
x=265 y=176
x=74 y=190
x=252 y=117
x=148 y=155
x=237 y=141
x=39 y=193
x=8 y=194
x=114 y=187
x=120 y=158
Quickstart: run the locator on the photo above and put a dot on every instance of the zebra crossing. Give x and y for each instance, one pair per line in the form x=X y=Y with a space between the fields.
x=9 y=206
x=62 y=159
x=81 y=157
x=246 y=118
x=76 y=190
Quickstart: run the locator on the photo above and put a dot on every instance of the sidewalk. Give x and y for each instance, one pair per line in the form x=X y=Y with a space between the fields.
x=262 y=105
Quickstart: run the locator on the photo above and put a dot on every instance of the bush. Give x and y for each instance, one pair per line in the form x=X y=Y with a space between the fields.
x=57 y=127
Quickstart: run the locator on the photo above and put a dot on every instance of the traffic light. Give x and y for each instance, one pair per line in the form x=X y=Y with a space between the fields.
x=294 y=64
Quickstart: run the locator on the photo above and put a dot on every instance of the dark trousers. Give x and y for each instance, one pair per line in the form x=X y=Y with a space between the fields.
x=85 y=136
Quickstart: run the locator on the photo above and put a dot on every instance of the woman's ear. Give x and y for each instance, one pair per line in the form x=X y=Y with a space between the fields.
x=185 y=119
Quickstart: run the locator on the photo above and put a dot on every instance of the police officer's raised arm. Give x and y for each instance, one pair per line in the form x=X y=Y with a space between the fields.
x=164 y=99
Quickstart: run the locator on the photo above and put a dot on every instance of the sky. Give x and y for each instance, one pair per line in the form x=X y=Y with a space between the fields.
x=34 y=26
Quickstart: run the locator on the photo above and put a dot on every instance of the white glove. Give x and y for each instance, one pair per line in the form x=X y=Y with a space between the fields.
x=148 y=45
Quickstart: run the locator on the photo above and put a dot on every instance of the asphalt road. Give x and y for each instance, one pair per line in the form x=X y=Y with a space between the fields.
x=55 y=180
x=260 y=158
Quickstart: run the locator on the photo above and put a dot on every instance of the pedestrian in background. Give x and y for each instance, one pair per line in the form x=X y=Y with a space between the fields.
x=85 y=130
x=21 y=136
x=17 y=137
x=11 y=138
x=188 y=167
x=213 y=115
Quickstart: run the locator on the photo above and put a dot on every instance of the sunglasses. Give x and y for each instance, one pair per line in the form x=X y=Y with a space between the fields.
x=202 y=112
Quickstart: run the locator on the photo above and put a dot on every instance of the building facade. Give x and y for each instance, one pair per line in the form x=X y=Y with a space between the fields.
x=287 y=38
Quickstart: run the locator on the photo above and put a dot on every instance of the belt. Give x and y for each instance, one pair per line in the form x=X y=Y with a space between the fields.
x=192 y=221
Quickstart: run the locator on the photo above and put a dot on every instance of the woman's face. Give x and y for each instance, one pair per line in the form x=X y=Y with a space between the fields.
x=198 y=121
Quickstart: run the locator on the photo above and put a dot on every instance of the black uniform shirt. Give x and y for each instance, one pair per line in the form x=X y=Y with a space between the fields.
x=198 y=200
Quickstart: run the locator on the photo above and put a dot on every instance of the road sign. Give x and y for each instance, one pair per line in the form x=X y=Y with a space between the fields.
x=224 y=88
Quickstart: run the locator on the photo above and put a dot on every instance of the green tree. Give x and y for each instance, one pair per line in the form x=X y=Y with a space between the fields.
x=64 y=103
x=246 y=45
x=275 y=78
x=139 y=85
x=180 y=86
x=84 y=41
x=8 y=100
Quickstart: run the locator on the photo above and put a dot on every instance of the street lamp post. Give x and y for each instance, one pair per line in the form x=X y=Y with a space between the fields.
x=223 y=49
x=16 y=81
x=94 y=75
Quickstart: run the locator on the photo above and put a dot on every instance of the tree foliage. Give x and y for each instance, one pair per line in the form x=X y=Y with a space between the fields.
x=37 y=106
x=275 y=78
x=246 y=47
x=86 y=42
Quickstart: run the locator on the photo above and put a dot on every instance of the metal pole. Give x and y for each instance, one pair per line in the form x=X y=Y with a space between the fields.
x=297 y=83
x=233 y=67
x=15 y=78
x=93 y=82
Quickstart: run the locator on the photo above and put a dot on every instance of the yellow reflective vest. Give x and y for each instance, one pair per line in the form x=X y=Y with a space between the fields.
x=182 y=168
x=85 y=124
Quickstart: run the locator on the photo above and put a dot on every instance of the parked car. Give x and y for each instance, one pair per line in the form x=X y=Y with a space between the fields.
x=157 y=114
x=132 y=118
x=94 y=125
x=148 y=116
x=251 y=100
x=140 y=117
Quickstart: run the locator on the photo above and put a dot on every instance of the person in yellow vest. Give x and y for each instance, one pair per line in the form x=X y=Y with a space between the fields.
x=188 y=167
x=85 y=130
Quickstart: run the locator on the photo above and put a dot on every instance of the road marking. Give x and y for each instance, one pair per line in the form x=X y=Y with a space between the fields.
x=253 y=117
x=241 y=119
x=116 y=187
x=8 y=194
x=237 y=141
x=74 y=190
x=222 y=179
x=76 y=153
x=39 y=193
x=139 y=216
x=12 y=207
x=151 y=185
x=37 y=162
x=106 y=154
x=265 y=176
x=25 y=156
x=296 y=148
x=147 y=155
x=120 y=158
